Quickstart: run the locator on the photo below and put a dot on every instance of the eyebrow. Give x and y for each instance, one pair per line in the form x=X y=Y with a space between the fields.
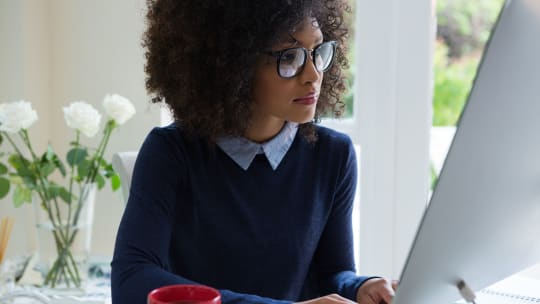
x=293 y=41
x=290 y=40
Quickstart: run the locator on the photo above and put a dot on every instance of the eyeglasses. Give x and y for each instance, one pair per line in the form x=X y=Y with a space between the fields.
x=291 y=62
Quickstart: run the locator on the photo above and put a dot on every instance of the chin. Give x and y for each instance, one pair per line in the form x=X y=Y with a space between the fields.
x=302 y=120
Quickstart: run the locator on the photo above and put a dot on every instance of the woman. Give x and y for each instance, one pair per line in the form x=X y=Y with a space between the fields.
x=244 y=192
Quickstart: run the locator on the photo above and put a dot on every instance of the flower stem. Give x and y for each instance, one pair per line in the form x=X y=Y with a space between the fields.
x=64 y=266
x=77 y=138
x=41 y=179
x=101 y=150
x=96 y=161
x=42 y=194
x=57 y=270
x=26 y=139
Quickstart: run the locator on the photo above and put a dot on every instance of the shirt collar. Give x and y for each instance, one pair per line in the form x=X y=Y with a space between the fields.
x=242 y=151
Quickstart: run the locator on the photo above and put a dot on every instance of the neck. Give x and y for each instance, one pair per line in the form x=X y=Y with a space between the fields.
x=262 y=132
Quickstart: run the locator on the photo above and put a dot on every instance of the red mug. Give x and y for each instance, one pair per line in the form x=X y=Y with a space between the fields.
x=184 y=294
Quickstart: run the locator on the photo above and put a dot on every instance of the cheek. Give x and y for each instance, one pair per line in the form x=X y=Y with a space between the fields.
x=269 y=88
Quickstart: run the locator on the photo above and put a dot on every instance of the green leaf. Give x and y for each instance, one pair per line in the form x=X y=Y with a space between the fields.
x=65 y=195
x=83 y=169
x=21 y=195
x=115 y=182
x=47 y=168
x=50 y=155
x=103 y=163
x=29 y=182
x=1 y=139
x=21 y=165
x=75 y=156
x=46 y=183
x=15 y=179
x=109 y=172
x=53 y=191
x=60 y=166
x=4 y=187
x=100 y=181
x=3 y=169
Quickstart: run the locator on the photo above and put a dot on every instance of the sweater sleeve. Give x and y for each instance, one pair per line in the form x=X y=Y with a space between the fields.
x=335 y=252
x=141 y=256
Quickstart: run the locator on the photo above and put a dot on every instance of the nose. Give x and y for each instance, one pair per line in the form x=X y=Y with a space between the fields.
x=310 y=74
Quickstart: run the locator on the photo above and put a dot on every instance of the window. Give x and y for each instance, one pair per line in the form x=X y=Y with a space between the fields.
x=389 y=123
x=463 y=28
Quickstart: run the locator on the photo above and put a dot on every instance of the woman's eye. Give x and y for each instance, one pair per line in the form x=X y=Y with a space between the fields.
x=288 y=58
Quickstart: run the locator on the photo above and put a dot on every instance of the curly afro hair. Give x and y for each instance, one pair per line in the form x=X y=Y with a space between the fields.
x=199 y=49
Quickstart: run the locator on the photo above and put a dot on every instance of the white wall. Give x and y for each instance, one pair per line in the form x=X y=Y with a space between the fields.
x=24 y=74
x=57 y=51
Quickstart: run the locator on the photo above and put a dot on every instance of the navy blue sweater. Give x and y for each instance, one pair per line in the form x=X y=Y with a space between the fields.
x=257 y=235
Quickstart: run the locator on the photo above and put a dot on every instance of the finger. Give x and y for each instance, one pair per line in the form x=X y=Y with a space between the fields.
x=387 y=298
x=367 y=299
x=387 y=293
x=395 y=284
x=335 y=298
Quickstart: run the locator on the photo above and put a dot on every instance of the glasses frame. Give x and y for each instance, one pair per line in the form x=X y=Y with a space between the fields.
x=307 y=53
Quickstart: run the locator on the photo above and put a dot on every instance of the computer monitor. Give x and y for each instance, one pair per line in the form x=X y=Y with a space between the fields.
x=483 y=220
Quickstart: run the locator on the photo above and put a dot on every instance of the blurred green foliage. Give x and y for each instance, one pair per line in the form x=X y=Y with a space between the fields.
x=452 y=83
x=463 y=28
x=349 y=74
x=465 y=25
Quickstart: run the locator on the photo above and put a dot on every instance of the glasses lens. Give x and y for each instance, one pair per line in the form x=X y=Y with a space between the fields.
x=291 y=62
x=323 y=56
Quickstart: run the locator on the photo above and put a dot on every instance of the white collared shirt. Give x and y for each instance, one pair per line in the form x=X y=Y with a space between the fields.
x=242 y=151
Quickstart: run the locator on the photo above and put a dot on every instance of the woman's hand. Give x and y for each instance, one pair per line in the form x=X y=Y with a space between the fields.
x=329 y=299
x=376 y=291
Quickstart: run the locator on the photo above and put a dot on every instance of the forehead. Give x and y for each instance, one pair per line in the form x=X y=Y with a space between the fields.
x=308 y=25
x=307 y=32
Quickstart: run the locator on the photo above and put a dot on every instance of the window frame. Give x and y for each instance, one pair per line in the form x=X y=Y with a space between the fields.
x=391 y=125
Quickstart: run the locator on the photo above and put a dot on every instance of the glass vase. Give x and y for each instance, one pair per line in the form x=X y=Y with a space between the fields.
x=64 y=235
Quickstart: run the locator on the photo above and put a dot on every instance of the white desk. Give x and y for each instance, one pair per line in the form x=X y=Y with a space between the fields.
x=96 y=289
x=521 y=288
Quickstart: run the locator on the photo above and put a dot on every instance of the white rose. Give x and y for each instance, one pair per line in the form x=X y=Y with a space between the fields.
x=118 y=108
x=82 y=116
x=16 y=115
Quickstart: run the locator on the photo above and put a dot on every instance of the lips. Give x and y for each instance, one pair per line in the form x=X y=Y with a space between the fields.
x=311 y=98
